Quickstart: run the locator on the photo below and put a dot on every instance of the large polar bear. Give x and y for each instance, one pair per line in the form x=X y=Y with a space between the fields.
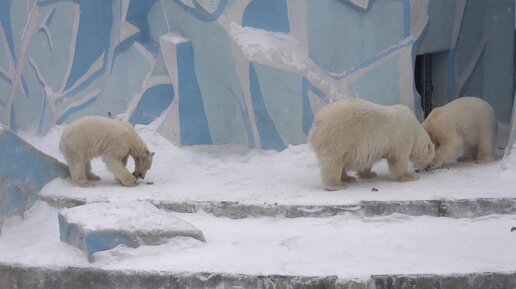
x=113 y=140
x=467 y=121
x=354 y=134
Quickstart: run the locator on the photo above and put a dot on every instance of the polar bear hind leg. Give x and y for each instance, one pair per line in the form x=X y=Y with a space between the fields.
x=470 y=153
x=367 y=174
x=485 y=150
x=89 y=175
x=78 y=173
x=332 y=173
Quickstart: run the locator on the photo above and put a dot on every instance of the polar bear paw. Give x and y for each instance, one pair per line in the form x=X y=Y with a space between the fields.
x=335 y=187
x=85 y=184
x=407 y=177
x=128 y=181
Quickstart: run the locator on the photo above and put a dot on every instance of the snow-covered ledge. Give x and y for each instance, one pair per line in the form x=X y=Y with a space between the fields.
x=103 y=226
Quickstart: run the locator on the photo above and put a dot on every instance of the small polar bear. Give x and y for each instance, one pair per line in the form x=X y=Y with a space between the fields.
x=354 y=134
x=113 y=140
x=467 y=121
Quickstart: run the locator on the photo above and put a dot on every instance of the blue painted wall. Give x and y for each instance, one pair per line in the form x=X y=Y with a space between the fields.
x=251 y=72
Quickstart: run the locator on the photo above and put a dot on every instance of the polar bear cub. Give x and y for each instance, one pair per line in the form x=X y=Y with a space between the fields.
x=113 y=140
x=467 y=122
x=354 y=134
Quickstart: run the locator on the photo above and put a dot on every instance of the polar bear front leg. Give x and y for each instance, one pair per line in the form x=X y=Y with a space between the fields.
x=398 y=169
x=121 y=173
x=345 y=178
x=446 y=149
x=470 y=153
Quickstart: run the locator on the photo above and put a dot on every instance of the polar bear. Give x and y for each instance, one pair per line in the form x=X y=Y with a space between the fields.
x=113 y=140
x=467 y=121
x=354 y=134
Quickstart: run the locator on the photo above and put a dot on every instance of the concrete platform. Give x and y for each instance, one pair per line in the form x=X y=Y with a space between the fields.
x=14 y=276
x=461 y=208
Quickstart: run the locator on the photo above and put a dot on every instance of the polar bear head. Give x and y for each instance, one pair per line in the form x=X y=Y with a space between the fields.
x=423 y=152
x=142 y=163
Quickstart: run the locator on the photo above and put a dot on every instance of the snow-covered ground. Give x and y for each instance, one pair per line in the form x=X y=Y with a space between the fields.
x=345 y=246
x=290 y=177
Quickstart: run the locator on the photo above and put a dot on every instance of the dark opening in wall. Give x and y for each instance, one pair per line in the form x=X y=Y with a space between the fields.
x=423 y=80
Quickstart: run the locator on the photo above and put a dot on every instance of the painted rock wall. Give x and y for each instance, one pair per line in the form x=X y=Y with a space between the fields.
x=251 y=72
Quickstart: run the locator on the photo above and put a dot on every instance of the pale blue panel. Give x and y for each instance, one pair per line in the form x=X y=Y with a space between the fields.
x=4 y=89
x=269 y=136
x=341 y=37
x=28 y=107
x=18 y=17
x=157 y=22
x=380 y=85
x=281 y=91
x=53 y=62
x=93 y=37
x=219 y=83
x=160 y=69
x=128 y=73
x=308 y=114
x=5 y=21
x=438 y=36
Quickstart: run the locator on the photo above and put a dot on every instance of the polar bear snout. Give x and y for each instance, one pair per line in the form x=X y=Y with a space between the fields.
x=139 y=175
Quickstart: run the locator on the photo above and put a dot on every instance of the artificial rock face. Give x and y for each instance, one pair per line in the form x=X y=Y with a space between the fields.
x=24 y=170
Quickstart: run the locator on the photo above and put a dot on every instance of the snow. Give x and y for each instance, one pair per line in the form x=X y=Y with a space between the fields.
x=124 y=216
x=290 y=177
x=346 y=246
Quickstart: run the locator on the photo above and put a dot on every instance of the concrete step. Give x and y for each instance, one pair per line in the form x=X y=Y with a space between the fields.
x=459 y=208
x=346 y=248
x=16 y=276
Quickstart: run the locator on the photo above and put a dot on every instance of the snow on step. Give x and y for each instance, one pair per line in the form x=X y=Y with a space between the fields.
x=103 y=226
x=343 y=246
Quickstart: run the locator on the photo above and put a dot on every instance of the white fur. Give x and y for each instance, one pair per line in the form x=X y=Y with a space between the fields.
x=354 y=134
x=466 y=121
x=113 y=140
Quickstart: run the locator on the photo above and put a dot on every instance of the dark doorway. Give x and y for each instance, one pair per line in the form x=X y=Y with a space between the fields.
x=423 y=80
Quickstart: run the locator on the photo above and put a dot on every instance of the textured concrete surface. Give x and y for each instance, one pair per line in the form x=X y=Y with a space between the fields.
x=14 y=276
x=463 y=208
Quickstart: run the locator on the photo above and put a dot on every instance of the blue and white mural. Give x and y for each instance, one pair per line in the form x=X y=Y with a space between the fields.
x=250 y=72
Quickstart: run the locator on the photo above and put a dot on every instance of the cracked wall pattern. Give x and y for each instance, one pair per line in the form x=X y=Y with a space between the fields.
x=251 y=72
